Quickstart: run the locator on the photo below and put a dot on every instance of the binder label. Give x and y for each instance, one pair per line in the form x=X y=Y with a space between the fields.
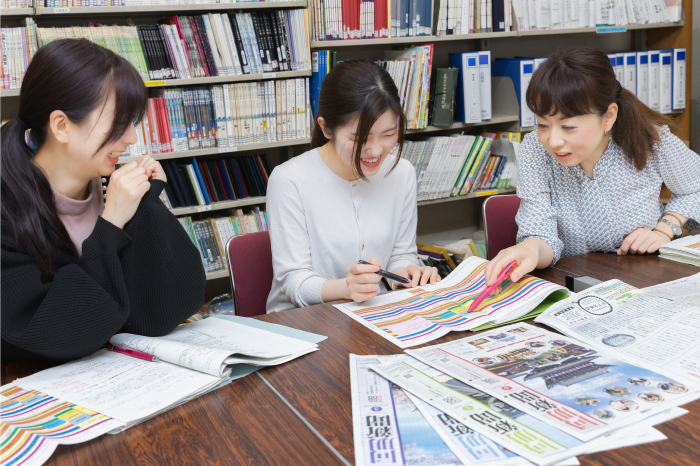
x=154 y=83
x=269 y=75
x=204 y=208
x=608 y=29
x=227 y=149
x=486 y=193
x=61 y=10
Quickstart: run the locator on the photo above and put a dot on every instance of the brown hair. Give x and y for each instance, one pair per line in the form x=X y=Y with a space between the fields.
x=581 y=81
x=75 y=76
x=362 y=89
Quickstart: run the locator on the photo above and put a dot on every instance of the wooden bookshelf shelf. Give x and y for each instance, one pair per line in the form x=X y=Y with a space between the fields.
x=496 y=119
x=148 y=9
x=217 y=274
x=332 y=44
x=228 y=79
x=481 y=193
x=17 y=12
x=219 y=206
x=221 y=150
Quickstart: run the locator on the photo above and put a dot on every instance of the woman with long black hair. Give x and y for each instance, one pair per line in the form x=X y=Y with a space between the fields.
x=77 y=266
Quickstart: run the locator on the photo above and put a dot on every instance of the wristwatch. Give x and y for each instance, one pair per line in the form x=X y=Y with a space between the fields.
x=677 y=231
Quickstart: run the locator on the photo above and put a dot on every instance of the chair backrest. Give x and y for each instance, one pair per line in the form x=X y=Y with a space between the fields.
x=499 y=223
x=250 y=264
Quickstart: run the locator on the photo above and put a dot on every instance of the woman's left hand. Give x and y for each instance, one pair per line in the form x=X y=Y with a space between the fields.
x=419 y=276
x=154 y=171
x=643 y=241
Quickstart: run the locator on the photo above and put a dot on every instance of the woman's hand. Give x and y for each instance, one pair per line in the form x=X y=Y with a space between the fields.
x=418 y=276
x=643 y=241
x=525 y=254
x=154 y=171
x=362 y=282
x=127 y=186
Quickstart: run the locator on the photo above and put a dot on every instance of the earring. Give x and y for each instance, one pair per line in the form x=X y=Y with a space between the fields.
x=607 y=132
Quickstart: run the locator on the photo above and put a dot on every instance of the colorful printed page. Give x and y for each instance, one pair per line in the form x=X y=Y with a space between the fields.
x=494 y=419
x=571 y=387
x=686 y=249
x=649 y=331
x=392 y=427
x=33 y=424
x=420 y=315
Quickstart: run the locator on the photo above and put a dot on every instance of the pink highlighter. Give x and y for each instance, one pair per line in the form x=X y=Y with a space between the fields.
x=505 y=273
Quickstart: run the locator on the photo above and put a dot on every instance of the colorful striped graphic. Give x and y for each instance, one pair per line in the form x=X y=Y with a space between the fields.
x=32 y=424
x=421 y=315
x=694 y=246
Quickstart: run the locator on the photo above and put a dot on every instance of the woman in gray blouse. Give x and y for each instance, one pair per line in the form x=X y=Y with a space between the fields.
x=589 y=179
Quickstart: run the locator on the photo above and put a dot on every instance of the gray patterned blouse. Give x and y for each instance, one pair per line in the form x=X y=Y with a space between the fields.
x=575 y=213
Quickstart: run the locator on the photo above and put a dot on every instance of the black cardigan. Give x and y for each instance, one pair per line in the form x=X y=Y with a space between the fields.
x=145 y=279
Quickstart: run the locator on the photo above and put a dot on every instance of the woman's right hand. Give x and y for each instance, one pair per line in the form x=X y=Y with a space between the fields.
x=525 y=254
x=362 y=282
x=127 y=186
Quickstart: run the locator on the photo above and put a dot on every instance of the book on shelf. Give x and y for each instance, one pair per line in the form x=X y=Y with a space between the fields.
x=145 y=3
x=18 y=47
x=442 y=96
x=347 y=20
x=448 y=166
x=473 y=95
x=11 y=4
x=212 y=235
x=456 y=17
x=224 y=116
x=559 y=14
x=199 y=182
x=187 y=47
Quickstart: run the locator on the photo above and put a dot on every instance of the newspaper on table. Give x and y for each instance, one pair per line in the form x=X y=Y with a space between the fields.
x=579 y=390
x=420 y=315
x=393 y=427
x=494 y=419
x=660 y=334
x=685 y=290
x=686 y=249
x=33 y=424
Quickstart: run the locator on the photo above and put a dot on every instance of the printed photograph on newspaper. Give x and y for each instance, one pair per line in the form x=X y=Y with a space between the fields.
x=420 y=315
x=577 y=389
x=638 y=326
x=525 y=435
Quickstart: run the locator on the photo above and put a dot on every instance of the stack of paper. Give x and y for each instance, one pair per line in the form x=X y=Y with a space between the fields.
x=109 y=391
x=685 y=250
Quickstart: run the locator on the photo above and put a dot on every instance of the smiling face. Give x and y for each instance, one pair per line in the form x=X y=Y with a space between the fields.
x=84 y=141
x=381 y=140
x=574 y=140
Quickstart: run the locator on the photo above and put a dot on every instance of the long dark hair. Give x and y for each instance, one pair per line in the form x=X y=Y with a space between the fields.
x=74 y=76
x=357 y=88
x=580 y=81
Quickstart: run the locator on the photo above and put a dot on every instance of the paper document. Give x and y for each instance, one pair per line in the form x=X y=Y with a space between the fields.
x=686 y=249
x=577 y=389
x=657 y=333
x=494 y=419
x=211 y=345
x=119 y=386
x=420 y=315
x=686 y=290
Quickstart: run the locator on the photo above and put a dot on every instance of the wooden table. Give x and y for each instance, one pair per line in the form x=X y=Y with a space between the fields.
x=300 y=412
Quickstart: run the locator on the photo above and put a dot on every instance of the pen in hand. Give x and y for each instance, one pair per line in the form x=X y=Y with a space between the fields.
x=505 y=273
x=389 y=275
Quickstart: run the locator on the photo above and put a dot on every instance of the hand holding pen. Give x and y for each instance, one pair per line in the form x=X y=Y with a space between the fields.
x=505 y=273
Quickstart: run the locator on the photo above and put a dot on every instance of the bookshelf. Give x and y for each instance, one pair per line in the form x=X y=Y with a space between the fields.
x=463 y=217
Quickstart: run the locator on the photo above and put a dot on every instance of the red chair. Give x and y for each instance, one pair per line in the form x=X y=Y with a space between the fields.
x=250 y=263
x=499 y=223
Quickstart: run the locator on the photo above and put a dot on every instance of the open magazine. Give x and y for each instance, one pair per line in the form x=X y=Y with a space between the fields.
x=496 y=420
x=420 y=315
x=686 y=249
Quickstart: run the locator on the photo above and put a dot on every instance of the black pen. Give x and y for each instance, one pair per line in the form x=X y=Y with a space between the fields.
x=389 y=275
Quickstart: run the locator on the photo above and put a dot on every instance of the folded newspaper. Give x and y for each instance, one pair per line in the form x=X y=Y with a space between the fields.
x=476 y=427
x=686 y=249
x=419 y=315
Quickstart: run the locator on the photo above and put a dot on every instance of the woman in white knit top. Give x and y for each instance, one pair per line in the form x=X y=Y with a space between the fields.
x=349 y=198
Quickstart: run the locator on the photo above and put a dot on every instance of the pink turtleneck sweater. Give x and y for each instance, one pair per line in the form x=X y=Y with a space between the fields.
x=80 y=217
